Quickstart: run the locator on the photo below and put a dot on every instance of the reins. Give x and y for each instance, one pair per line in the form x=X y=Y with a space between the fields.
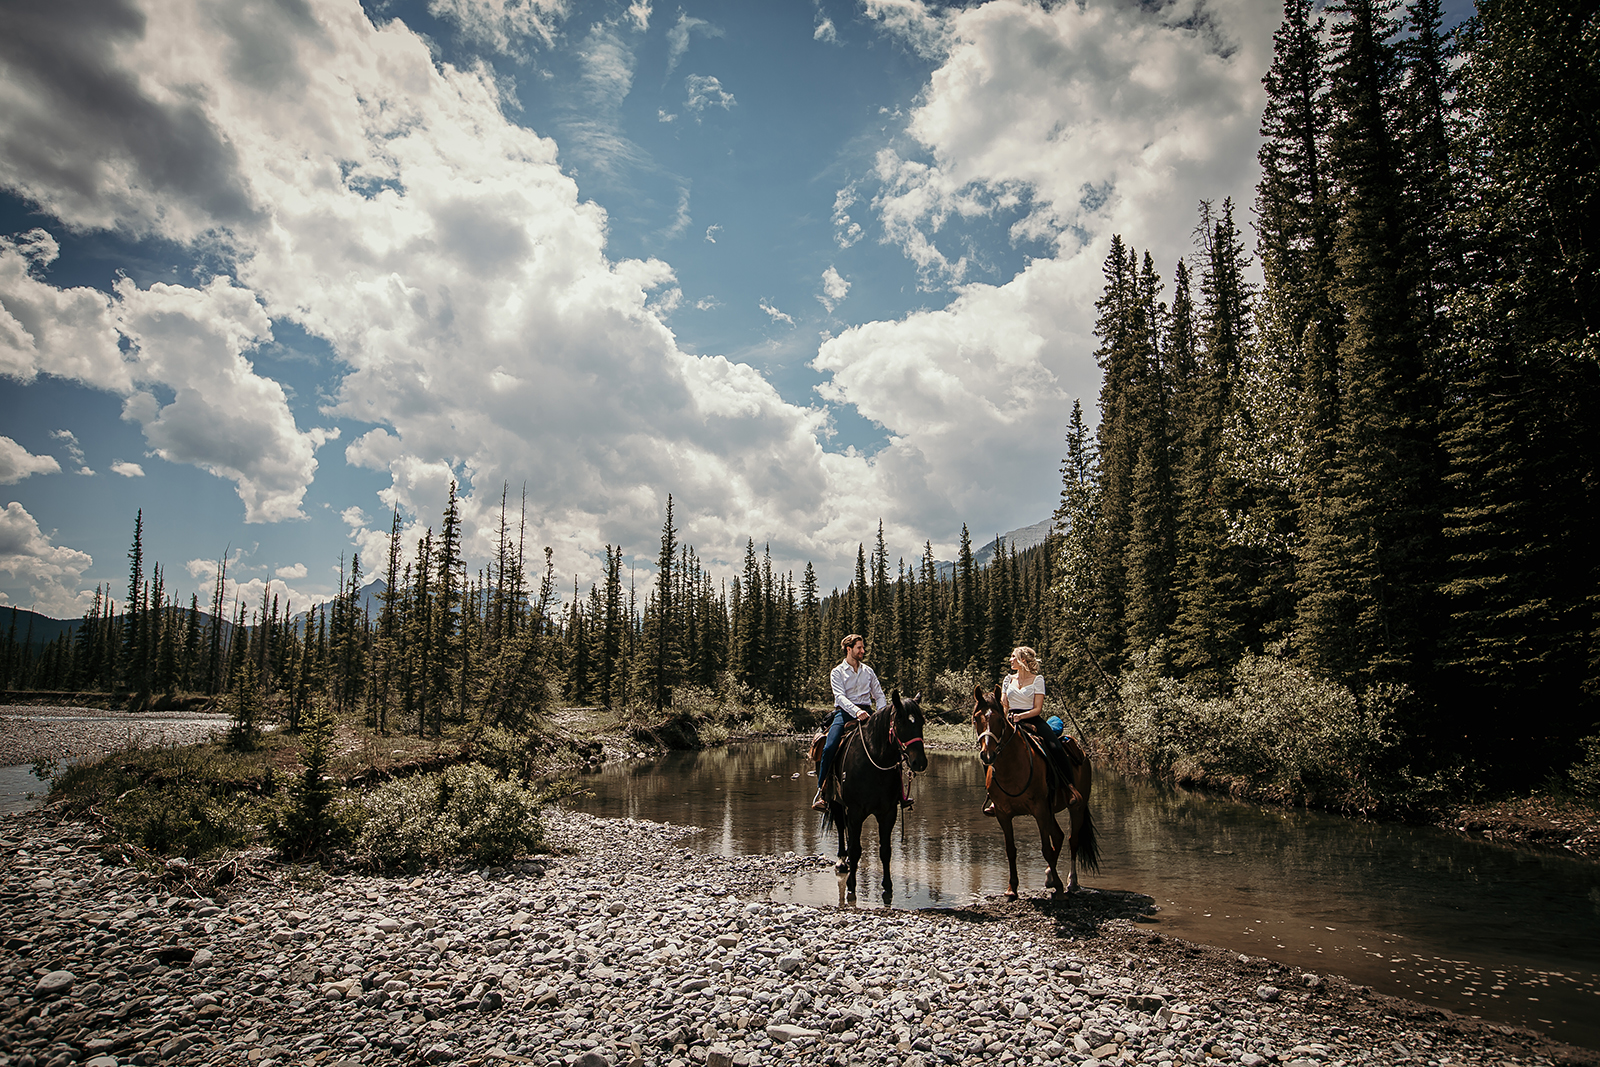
x=1000 y=744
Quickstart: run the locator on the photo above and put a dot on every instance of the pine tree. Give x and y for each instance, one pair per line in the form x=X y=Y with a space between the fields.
x=1121 y=358
x=1521 y=586
x=1212 y=624
x=1150 y=551
x=1372 y=546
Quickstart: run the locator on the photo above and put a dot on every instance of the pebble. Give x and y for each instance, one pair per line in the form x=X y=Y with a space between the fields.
x=620 y=949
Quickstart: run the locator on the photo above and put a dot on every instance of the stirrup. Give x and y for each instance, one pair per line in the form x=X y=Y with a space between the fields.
x=988 y=809
x=821 y=803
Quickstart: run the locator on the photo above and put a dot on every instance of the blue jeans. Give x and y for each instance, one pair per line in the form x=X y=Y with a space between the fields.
x=841 y=719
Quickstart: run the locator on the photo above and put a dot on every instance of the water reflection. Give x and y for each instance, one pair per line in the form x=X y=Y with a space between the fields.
x=1507 y=934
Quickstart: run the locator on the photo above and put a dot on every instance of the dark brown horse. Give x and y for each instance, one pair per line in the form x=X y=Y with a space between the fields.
x=868 y=782
x=1018 y=780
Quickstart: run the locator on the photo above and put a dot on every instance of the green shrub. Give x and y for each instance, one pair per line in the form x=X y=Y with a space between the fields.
x=183 y=818
x=466 y=812
x=952 y=690
x=494 y=819
x=1282 y=733
x=1585 y=773
x=404 y=825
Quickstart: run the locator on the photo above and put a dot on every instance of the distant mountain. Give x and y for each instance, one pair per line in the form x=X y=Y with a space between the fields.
x=45 y=629
x=1025 y=538
x=371 y=601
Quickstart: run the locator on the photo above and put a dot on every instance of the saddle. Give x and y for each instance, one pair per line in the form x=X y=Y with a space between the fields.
x=1060 y=777
x=830 y=788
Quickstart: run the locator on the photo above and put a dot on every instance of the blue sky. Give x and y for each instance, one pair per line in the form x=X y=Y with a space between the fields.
x=271 y=269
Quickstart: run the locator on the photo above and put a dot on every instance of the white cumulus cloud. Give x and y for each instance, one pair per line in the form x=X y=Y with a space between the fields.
x=17 y=463
x=1086 y=120
x=834 y=288
x=53 y=573
x=127 y=469
x=705 y=91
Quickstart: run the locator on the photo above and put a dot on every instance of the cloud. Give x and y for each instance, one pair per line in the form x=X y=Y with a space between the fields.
x=17 y=463
x=704 y=92
x=825 y=32
x=678 y=37
x=126 y=469
x=167 y=339
x=834 y=289
x=294 y=570
x=845 y=231
x=711 y=233
x=776 y=315
x=74 y=450
x=351 y=184
x=639 y=11
x=1102 y=117
x=911 y=21
x=480 y=331
x=1086 y=120
x=53 y=573
x=503 y=24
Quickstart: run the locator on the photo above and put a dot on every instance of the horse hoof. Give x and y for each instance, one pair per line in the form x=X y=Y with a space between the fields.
x=1011 y=896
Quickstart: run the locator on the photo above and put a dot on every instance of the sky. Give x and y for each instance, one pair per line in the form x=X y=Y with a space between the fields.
x=273 y=269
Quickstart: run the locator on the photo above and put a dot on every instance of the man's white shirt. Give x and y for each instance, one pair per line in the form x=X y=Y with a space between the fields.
x=853 y=687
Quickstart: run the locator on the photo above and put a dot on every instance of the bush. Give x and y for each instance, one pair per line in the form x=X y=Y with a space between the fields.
x=1283 y=733
x=183 y=818
x=404 y=824
x=952 y=690
x=467 y=811
x=1585 y=774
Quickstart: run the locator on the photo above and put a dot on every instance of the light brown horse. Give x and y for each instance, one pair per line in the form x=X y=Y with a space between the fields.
x=1018 y=780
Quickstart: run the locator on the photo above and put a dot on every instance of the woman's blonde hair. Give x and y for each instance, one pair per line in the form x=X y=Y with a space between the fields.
x=1029 y=658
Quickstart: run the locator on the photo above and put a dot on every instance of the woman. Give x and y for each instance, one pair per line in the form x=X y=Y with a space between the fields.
x=1023 y=696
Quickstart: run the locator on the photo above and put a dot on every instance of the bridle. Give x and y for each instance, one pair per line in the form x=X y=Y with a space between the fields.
x=904 y=746
x=999 y=746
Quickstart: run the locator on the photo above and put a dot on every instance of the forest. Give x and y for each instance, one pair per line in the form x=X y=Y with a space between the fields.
x=1332 y=539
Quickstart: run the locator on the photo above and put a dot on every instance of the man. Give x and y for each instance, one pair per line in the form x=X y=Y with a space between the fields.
x=855 y=693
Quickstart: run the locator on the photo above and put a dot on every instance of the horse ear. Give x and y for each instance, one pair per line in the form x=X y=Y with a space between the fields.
x=894 y=698
x=977 y=692
x=917 y=699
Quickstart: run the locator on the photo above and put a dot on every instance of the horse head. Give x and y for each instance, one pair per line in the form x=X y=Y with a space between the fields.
x=908 y=729
x=990 y=723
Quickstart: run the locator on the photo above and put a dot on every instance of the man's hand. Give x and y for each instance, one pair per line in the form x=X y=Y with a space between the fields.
x=863 y=716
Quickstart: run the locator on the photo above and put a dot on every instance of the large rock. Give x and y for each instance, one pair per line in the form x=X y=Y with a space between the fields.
x=54 y=984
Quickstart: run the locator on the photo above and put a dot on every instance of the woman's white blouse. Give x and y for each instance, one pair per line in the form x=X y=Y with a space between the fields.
x=1020 y=698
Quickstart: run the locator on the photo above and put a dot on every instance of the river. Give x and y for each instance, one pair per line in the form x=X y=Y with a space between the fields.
x=1507 y=934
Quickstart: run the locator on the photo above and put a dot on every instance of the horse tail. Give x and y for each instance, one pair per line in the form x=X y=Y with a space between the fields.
x=1085 y=847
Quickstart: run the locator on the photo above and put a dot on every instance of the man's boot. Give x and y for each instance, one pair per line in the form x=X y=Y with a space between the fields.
x=819 y=804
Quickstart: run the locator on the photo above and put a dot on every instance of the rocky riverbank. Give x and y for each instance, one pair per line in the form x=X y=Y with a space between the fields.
x=30 y=733
x=623 y=947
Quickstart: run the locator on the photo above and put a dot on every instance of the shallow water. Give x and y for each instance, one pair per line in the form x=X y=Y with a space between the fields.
x=20 y=790
x=1507 y=934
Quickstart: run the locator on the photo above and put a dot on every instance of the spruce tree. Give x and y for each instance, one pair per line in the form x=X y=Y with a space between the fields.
x=1372 y=541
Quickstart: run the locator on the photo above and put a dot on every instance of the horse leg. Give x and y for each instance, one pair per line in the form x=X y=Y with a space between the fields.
x=840 y=867
x=854 y=856
x=886 y=817
x=1050 y=837
x=1011 y=855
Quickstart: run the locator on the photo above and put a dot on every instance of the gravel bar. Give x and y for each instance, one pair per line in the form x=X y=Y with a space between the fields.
x=63 y=734
x=623 y=947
